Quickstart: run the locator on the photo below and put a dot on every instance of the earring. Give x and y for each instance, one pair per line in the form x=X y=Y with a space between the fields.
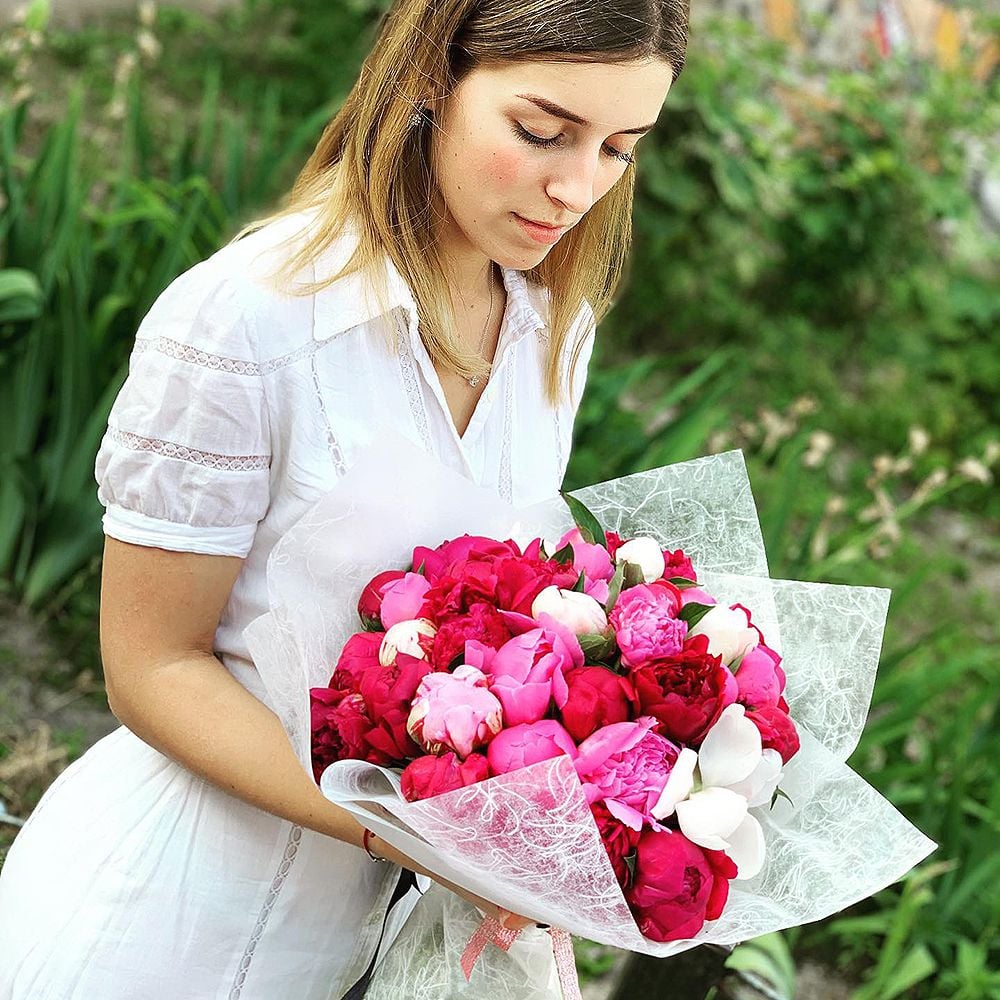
x=419 y=117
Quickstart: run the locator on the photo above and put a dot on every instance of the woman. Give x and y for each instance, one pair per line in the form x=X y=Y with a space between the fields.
x=189 y=854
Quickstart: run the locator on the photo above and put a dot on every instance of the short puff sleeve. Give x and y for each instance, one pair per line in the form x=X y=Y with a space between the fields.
x=184 y=463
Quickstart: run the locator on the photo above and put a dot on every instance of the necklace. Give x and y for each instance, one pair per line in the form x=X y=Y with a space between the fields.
x=474 y=381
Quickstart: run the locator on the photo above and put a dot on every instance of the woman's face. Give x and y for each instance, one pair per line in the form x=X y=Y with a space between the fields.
x=490 y=169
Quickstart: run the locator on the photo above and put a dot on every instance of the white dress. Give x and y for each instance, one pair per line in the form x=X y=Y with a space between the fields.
x=133 y=879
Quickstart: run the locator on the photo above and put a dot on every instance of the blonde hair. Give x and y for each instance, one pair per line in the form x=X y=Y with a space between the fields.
x=372 y=167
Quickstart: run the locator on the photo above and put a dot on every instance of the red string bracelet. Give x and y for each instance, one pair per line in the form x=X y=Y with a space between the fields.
x=364 y=842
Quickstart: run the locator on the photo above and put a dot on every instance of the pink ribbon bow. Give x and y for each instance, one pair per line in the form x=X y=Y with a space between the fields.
x=492 y=931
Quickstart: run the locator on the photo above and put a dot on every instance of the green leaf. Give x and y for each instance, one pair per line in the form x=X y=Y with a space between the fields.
x=564 y=555
x=681 y=582
x=597 y=646
x=633 y=575
x=630 y=860
x=590 y=527
x=615 y=587
x=779 y=794
x=581 y=584
x=694 y=612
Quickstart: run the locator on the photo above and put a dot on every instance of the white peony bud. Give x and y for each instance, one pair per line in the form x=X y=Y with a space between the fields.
x=580 y=613
x=729 y=636
x=404 y=637
x=644 y=553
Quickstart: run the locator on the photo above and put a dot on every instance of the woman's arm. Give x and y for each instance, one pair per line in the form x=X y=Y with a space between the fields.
x=159 y=613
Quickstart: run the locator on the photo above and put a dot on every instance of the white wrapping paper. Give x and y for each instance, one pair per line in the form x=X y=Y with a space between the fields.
x=527 y=840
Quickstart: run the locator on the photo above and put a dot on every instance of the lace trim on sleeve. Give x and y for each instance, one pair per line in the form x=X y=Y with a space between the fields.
x=217 y=362
x=227 y=463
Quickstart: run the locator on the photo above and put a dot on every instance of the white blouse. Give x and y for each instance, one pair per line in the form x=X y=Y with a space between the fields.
x=244 y=405
x=133 y=877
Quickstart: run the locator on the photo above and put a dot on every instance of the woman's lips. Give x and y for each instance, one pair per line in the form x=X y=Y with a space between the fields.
x=539 y=233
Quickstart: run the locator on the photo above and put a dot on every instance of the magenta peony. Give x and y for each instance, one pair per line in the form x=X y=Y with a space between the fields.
x=677 y=886
x=625 y=766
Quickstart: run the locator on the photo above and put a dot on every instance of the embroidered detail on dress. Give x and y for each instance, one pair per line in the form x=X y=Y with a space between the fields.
x=217 y=362
x=227 y=463
x=412 y=386
x=291 y=849
x=332 y=444
x=506 y=483
x=560 y=455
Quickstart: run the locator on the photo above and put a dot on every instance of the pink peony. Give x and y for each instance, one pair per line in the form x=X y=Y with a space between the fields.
x=645 y=624
x=370 y=602
x=695 y=595
x=526 y=672
x=454 y=710
x=402 y=599
x=625 y=766
x=588 y=557
x=759 y=678
x=524 y=745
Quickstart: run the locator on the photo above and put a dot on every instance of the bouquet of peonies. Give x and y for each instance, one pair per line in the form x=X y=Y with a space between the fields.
x=488 y=659
x=594 y=731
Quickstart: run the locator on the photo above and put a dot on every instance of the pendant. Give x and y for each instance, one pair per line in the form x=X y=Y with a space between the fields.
x=474 y=381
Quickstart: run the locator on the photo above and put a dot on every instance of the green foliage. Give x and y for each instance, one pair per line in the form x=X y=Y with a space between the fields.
x=79 y=275
x=826 y=225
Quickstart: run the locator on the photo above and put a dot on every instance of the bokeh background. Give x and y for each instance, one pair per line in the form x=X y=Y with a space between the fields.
x=813 y=280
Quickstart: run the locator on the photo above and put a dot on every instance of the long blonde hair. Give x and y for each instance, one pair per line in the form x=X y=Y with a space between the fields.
x=372 y=167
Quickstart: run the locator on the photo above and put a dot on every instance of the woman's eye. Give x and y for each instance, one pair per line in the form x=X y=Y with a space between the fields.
x=538 y=140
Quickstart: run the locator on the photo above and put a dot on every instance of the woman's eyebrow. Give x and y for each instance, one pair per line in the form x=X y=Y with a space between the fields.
x=554 y=109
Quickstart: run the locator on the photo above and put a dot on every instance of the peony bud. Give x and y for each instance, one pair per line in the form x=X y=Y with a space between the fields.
x=644 y=553
x=580 y=613
x=404 y=637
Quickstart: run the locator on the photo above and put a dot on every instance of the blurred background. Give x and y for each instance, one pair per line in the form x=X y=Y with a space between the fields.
x=814 y=280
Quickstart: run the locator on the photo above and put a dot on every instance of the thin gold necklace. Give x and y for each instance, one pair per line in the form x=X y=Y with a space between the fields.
x=474 y=381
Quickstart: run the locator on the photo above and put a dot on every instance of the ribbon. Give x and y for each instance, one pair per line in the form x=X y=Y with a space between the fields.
x=490 y=930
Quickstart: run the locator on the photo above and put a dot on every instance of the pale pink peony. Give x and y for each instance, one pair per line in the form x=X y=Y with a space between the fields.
x=454 y=710
x=580 y=613
x=645 y=624
x=625 y=766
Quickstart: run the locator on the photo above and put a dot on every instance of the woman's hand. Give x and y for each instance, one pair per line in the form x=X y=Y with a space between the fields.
x=512 y=921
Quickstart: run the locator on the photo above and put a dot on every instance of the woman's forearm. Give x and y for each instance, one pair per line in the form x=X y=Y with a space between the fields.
x=195 y=712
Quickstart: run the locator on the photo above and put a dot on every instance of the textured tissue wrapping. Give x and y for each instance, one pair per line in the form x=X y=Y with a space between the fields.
x=526 y=840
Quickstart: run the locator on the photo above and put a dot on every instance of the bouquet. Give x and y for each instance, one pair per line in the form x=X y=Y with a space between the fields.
x=487 y=660
x=592 y=731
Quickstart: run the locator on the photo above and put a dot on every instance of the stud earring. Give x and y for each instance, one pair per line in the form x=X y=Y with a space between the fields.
x=419 y=117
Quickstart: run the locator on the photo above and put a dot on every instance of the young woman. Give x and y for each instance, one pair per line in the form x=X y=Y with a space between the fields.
x=439 y=267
